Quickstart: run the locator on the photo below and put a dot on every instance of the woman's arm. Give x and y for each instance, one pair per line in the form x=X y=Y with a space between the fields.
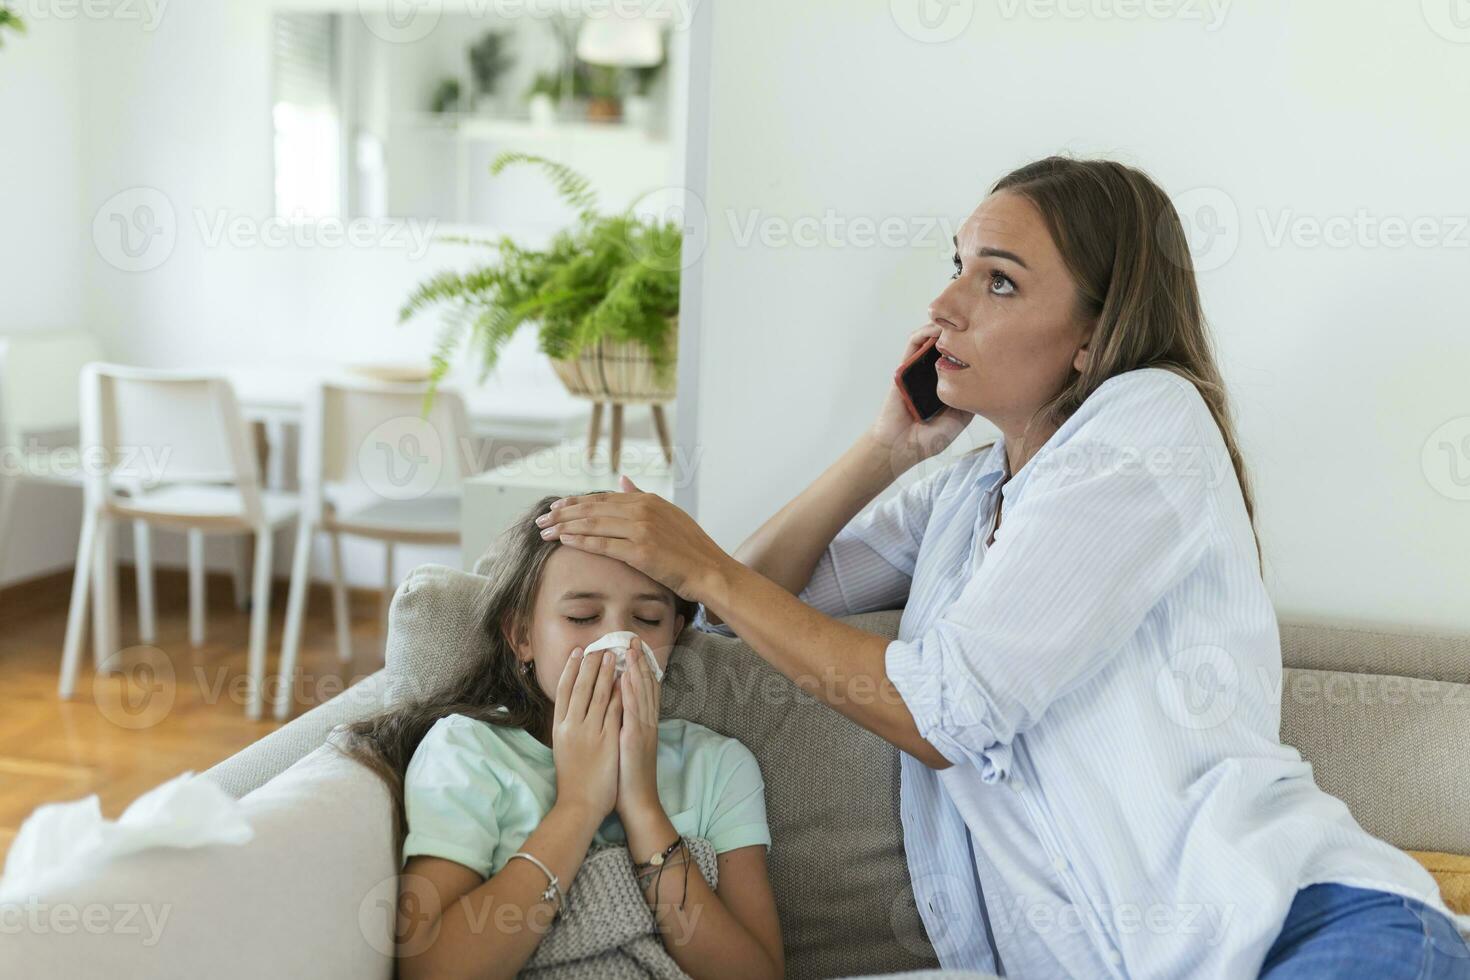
x=837 y=663
x=786 y=548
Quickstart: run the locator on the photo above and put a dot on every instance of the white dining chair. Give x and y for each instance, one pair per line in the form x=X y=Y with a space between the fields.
x=374 y=466
x=39 y=423
x=177 y=442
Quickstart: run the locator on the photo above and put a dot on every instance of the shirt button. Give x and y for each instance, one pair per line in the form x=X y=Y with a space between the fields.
x=1113 y=958
x=1016 y=783
x=1059 y=862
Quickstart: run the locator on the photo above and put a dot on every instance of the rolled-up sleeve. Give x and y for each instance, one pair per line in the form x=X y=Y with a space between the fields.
x=1093 y=544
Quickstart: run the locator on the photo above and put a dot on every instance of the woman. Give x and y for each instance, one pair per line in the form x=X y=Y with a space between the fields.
x=1083 y=684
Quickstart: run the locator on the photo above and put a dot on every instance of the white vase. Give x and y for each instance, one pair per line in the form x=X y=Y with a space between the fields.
x=638 y=112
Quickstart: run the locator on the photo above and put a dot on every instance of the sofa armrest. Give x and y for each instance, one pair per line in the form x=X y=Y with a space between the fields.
x=261 y=761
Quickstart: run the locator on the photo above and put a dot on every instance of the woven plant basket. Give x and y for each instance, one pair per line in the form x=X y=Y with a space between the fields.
x=620 y=372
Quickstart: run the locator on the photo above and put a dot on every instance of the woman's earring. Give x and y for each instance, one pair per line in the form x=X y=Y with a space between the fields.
x=526 y=667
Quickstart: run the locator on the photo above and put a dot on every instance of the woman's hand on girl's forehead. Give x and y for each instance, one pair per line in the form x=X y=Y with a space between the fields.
x=642 y=530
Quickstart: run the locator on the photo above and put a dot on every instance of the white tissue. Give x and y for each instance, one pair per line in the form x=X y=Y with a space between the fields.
x=68 y=838
x=619 y=642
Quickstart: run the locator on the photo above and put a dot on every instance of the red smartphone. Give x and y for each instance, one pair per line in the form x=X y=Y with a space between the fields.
x=918 y=382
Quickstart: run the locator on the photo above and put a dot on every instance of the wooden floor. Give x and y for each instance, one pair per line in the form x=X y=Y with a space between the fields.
x=124 y=733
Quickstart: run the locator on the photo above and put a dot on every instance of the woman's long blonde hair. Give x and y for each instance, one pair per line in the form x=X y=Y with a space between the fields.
x=1123 y=243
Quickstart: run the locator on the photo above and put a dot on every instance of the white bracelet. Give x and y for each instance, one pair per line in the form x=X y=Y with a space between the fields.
x=553 y=889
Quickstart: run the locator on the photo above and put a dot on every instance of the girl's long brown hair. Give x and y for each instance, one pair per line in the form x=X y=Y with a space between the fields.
x=491 y=678
x=1125 y=247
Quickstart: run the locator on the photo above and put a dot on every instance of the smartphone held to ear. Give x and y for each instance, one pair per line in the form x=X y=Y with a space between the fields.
x=918 y=382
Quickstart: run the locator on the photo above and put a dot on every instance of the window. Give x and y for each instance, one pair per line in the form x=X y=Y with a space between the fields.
x=306 y=114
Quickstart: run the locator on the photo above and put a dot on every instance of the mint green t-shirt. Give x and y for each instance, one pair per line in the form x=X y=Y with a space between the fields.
x=474 y=792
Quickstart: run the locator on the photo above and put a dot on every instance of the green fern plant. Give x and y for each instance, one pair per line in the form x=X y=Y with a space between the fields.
x=606 y=277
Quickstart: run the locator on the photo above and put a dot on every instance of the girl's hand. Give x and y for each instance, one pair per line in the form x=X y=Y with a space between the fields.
x=584 y=733
x=638 y=742
x=642 y=530
x=909 y=442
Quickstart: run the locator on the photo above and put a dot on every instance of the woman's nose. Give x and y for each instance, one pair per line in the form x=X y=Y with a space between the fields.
x=945 y=309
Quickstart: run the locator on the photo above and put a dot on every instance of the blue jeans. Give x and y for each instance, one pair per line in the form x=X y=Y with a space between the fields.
x=1336 y=931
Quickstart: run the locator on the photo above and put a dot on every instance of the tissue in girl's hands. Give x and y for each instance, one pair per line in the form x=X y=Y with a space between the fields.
x=186 y=811
x=619 y=642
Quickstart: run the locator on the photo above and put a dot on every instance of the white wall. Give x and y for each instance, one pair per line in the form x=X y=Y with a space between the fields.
x=42 y=236
x=1342 y=361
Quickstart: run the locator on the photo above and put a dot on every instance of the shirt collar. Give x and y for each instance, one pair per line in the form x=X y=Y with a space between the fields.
x=992 y=466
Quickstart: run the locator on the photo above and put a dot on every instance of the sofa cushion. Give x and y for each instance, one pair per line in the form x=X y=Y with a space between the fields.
x=1391 y=748
x=310 y=896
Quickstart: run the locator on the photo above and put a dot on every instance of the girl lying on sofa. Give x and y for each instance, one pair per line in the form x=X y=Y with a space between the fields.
x=505 y=778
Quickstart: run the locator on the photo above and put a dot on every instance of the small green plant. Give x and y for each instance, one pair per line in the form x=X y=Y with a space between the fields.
x=10 y=21
x=490 y=58
x=446 y=96
x=607 y=277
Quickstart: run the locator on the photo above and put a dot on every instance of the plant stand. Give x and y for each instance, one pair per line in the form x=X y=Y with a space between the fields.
x=594 y=432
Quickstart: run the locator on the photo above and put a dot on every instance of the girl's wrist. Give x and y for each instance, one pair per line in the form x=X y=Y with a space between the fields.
x=580 y=816
x=641 y=810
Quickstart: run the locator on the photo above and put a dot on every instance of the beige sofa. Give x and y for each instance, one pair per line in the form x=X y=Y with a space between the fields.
x=1383 y=717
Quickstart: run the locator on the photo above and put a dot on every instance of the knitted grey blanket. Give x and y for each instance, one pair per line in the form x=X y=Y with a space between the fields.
x=606 y=929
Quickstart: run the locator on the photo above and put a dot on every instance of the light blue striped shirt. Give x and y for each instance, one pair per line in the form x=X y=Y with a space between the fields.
x=1105 y=678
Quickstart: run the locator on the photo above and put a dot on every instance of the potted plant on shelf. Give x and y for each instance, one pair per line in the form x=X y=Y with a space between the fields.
x=603 y=295
x=490 y=58
x=605 y=94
